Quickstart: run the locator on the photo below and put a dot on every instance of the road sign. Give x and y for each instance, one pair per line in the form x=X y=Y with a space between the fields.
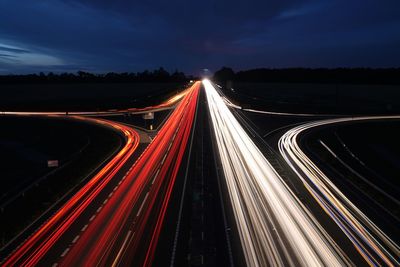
x=52 y=163
x=148 y=116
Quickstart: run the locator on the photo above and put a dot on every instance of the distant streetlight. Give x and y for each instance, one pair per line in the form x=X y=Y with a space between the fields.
x=206 y=73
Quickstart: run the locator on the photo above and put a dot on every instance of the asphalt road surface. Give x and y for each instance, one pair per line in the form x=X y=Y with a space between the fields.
x=276 y=228
x=121 y=209
x=236 y=207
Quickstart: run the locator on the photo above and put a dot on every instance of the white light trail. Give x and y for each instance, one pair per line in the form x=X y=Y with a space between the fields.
x=275 y=228
x=370 y=241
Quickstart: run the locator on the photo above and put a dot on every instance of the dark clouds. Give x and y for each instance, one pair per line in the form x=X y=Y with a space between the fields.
x=126 y=35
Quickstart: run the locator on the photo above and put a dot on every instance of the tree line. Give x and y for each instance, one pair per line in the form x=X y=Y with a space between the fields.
x=158 y=75
x=308 y=75
x=288 y=75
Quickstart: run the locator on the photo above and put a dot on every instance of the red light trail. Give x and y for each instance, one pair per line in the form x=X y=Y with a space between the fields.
x=131 y=214
x=33 y=249
x=122 y=225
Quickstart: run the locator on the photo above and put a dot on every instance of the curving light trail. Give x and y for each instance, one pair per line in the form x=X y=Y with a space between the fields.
x=370 y=241
x=127 y=228
x=166 y=105
x=275 y=228
x=126 y=224
x=35 y=247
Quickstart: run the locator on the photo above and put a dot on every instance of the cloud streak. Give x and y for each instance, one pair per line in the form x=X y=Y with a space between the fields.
x=127 y=35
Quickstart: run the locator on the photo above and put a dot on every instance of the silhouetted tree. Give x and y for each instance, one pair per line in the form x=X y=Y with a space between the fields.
x=178 y=76
x=224 y=74
x=305 y=75
x=290 y=75
x=161 y=75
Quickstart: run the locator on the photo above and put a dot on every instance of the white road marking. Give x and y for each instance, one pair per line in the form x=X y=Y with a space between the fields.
x=141 y=206
x=75 y=239
x=65 y=252
x=155 y=176
x=84 y=228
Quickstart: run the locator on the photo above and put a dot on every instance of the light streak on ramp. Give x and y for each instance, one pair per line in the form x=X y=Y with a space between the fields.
x=368 y=239
x=275 y=228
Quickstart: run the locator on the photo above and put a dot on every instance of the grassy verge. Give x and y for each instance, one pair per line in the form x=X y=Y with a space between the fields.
x=80 y=147
x=370 y=177
x=84 y=97
x=317 y=98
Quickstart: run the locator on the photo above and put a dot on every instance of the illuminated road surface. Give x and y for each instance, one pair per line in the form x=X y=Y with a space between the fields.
x=119 y=235
x=35 y=247
x=275 y=228
x=122 y=227
x=370 y=241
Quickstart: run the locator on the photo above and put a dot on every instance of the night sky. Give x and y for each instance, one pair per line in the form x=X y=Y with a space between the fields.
x=119 y=35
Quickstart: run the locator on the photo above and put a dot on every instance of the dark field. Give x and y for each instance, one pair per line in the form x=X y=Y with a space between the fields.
x=27 y=184
x=317 y=98
x=26 y=143
x=371 y=151
x=84 y=96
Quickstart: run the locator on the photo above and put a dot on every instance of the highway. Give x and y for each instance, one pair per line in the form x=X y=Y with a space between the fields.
x=275 y=228
x=122 y=208
x=368 y=239
x=49 y=232
x=117 y=218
